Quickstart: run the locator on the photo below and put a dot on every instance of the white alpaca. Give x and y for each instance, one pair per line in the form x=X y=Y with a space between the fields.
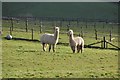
x=76 y=42
x=51 y=39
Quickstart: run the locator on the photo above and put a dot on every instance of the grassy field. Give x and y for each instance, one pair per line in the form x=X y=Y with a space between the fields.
x=25 y=59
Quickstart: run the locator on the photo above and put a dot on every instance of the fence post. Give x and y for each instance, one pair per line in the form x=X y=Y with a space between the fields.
x=12 y=23
x=10 y=30
x=95 y=34
x=101 y=44
x=35 y=21
x=81 y=34
x=103 y=25
x=32 y=33
x=69 y=22
x=68 y=27
x=81 y=27
x=86 y=24
x=40 y=28
x=55 y=23
x=106 y=45
x=26 y=24
x=17 y=21
x=77 y=22
x=52 y=21
x=110 y=36
x=104 y=42
x=60 y=23
x=94 y=25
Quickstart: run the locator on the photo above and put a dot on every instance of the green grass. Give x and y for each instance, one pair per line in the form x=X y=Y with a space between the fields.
x=25 y=59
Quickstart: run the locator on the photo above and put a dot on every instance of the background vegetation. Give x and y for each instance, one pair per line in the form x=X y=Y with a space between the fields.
x=87 y=10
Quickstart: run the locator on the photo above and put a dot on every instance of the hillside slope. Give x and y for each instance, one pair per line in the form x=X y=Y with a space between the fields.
x=101 y=10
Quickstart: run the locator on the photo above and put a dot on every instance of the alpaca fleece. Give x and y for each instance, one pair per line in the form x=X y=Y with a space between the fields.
x=50 y=39
x=75 y=42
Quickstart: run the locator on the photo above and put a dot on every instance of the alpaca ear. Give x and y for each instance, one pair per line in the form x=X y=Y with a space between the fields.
x=68 y=33
x=53 y=28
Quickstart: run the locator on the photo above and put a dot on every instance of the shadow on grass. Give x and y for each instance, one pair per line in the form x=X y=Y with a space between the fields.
x=23 y=39
x=64 y=44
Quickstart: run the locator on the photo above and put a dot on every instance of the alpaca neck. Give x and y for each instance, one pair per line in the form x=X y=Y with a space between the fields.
x=71 y=38
x=56 y=35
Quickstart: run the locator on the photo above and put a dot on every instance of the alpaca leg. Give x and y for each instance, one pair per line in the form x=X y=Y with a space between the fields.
x=43 y=46
x=73 y=48
x=78 y=48
x=49 y=47
x=53 y=48
x=81 y=48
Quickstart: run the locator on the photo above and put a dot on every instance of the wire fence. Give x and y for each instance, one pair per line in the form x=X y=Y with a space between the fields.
x=93 y=29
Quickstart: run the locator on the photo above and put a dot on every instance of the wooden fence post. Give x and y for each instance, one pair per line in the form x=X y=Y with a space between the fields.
x=104 y=42
x=10 y=30
x=101 y=44
x=68 y=27
x=95 y=34
x=69 y=22
x=60 y=23
x=40 y=28
x=77 y=22
x=26 y=24
x=110 y=36
x=112 y=27
x=35 y=23
x=94 y=25
x=52 y=22
x=103 y=25
x=81 y=34
x=12 y=24
x=86 y=24
x=17 y=21
x=106 y=45
x=81 y=27
x=32 y=33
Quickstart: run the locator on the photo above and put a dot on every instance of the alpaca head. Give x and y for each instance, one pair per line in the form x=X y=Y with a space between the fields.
x=56 y=29
x=70 y=32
